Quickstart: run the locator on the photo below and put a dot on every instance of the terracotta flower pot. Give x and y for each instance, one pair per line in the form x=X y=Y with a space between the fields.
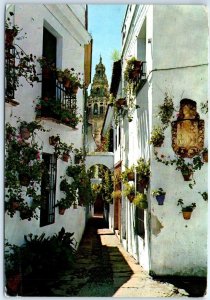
x=65 y=157
x=61 y=210
x=120 y=102
x=142 y=184
x=131 y=176
x=67 y=83
x=13 y=284
x=187 y=176
x=15 y=205
x=131 y=196
x=205 y=156
x=186 y=215
x=25 y=133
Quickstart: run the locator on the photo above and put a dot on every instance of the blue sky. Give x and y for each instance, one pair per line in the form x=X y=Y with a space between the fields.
x=104 y=24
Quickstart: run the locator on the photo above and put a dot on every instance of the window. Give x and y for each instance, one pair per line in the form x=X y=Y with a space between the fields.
x=49 y=52
x=101 y=110
x=139 y=222
x=48 y=189
x=95 y=109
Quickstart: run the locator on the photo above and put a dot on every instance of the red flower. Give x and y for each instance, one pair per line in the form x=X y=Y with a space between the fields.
x=66 y=120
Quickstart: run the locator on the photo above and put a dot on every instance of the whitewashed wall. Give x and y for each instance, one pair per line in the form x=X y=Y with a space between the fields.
x=70 y=53
x=186 y=250
x=175 y=36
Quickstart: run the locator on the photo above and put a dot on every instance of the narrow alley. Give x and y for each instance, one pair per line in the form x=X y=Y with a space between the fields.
x=104 y=269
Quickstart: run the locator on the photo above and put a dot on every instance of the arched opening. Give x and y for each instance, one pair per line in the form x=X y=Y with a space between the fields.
x=102 y=187
x=95 y=109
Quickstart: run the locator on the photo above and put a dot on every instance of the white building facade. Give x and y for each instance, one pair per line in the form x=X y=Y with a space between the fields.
x=171 y=41
x=58 y=30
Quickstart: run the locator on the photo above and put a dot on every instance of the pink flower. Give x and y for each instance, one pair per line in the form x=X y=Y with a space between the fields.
x=38 y=156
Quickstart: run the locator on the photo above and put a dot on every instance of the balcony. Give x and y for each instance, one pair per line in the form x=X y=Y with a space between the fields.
x=57 y=103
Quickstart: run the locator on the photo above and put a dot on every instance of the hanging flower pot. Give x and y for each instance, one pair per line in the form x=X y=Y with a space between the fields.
x=131 y=176
x=66 y=83
x=131 y=196
x=15 y=205
x=120 y=102
x=75 y=89
x=187 y=175
x=13 y=284
x=24 y=179
x=26 y=214
x=205 y=156
x=186 y=214
x=25 y=133
x=53 y=140
x=61 y=210
x=160 y=199
x=10 y=34
x=143 y=183
x=65 y=157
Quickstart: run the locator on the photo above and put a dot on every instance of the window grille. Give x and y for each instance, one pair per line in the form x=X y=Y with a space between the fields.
x=48 y=189
x=9 y=73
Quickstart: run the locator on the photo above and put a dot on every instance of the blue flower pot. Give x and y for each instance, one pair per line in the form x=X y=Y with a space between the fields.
x=160 y=199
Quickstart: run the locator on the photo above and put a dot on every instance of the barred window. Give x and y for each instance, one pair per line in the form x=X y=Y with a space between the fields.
x=48 y=189
x=139 y=222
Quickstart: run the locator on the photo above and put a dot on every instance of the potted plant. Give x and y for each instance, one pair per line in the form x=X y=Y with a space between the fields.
x=166 y=110
x=205 y=154
x=140 y=200
x=54 y=140
x=129 y=191
x=12 y=269
x=73 y=171
x=64 y=185
x=11 y=31
x=160 y=195
x=64 y=150
x=186 y=210
x=143 y=173
x=27 y=128
x=157 y=136
x=48 y=67
x=78 y=157
x=128 y=174
x=121 y=102
x=186 y=168
x=70 y=198
x=132 y=70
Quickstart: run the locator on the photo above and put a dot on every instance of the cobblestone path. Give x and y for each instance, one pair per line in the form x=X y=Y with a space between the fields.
x=104 y=268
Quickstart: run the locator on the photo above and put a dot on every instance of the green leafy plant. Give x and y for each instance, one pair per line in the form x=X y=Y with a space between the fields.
x=52 y=108
x=157 y=136
x=158 y=192
x=188 y=208
x=129 y=191
x=61 y=148
x=128 y=174
x=116 y=194
x=166 y=110
x=132 y=65
x=143 y=169
x=204 y=195
x=204 y=107
x=73 y=171
x=140 y=200
x=70 y=196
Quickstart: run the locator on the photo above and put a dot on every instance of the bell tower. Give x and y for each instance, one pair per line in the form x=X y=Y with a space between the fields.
x=97 y=101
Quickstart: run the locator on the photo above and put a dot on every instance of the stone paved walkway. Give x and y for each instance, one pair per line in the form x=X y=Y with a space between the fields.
x=104 y=268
